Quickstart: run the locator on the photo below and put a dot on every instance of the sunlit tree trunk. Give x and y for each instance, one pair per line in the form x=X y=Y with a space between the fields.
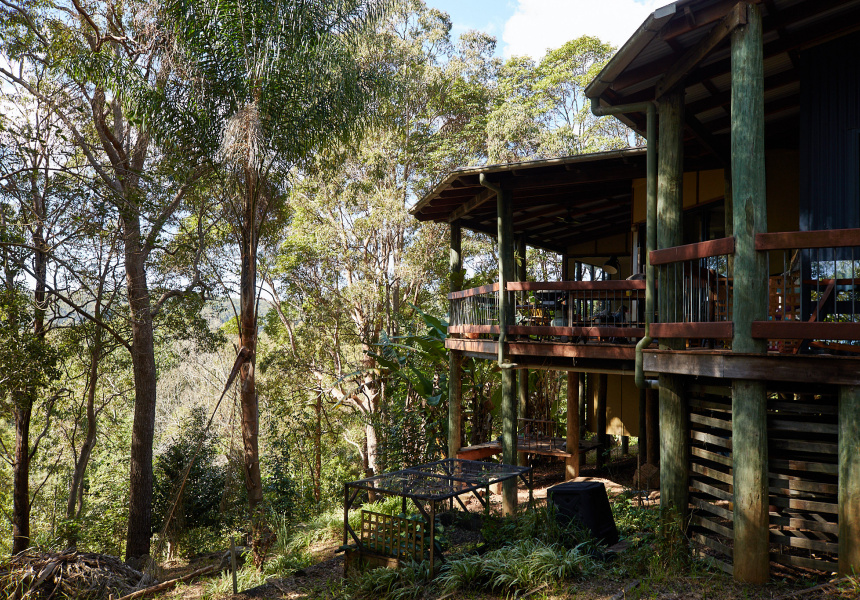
x=144 y=373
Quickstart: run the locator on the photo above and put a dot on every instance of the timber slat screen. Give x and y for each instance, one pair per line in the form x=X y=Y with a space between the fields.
x=711 y=476
x=802 y=478
x=394 y=536
x=802 y=448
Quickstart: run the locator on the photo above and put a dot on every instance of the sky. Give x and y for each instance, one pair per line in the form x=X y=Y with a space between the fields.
x=530 y=27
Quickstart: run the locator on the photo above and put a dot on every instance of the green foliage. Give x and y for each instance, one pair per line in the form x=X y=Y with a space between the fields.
x=541 y=111
x=632 y=518
x=197 y=506
x=19 y=345
x=329 y=525
x=102 y=525
x=405 y=583
x=247 y=577
x=540 y=524
x=521 y=565
x=288 y=70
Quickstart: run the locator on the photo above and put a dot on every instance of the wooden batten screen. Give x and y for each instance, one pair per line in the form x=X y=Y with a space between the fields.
x=802 y=453
x=802 y=478
x=389 y=535
x=711 y=476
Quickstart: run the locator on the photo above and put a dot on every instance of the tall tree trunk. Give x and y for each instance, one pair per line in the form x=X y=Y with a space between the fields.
x=75 y=503
x=144 y=372
x=24 y=402
x=318 y=448
x=248 y=334
x=21 y=477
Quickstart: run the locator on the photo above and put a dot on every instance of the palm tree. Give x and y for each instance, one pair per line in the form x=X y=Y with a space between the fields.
x=272 y=83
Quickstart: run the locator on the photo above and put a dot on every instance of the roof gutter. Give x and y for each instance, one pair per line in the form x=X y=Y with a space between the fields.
x=650 y=224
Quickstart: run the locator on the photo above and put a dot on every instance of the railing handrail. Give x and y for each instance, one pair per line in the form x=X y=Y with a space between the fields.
x=825 y=238
x=573 y=286
x=695 y=251
x=475 y=291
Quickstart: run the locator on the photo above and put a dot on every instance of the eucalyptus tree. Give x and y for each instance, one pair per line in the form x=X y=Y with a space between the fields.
x=541 y=110
x=272 y=83
x=106 y=60
x=34 y=185
x=365 y=261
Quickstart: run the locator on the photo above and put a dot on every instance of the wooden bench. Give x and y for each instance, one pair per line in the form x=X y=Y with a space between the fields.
x=543 y=447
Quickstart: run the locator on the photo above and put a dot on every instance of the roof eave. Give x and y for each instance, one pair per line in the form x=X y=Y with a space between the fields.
x=630 y=50
x=527 y=164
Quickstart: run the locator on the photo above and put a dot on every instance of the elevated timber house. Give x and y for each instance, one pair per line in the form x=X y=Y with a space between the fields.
x=727 y=313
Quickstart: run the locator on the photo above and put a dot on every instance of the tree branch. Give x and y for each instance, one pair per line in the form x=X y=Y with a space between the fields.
x=159 y=222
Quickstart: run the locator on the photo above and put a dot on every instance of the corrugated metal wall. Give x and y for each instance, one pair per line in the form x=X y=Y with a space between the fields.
x=830 y=135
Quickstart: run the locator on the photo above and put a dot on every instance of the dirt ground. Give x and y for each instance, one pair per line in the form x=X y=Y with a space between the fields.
x=326 y=575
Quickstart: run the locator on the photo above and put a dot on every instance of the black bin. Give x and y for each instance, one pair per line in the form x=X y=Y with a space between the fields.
x=588 y=503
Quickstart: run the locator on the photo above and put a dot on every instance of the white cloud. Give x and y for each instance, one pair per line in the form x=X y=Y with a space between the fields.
x=541 y=24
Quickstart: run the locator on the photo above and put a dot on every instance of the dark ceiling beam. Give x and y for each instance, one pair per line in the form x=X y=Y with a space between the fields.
x=548 y=225
x=590 y=175
x=723 y=99
x=570 y=195
x=590 y=236
x=720 y=149
x=788 y=17
x=622 y=216
x=774 y=107
x=675 y=74
x=682 y=23
x=471 y=205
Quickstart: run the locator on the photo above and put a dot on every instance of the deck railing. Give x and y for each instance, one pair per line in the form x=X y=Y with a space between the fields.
x=814 y=289
x=813 y=298
x=611 y=311
x=694 y=298
x=474 y=311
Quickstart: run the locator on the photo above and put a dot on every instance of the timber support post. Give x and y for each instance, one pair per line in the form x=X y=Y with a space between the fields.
x=849 y=479
x=652 y=419
x=505 y=227
x=455 y=358
x=571 y=463
x=674 y=436
x=602 y=438
x=522 y=374
x=749 y=216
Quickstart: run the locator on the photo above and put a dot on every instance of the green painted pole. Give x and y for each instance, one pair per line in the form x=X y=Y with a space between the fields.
x=571 y=463
x=455 y=358
x=602 y=438
x=522 y=374
x=505 y=221
x=674 y=435
x=750 y=301
x=849 y=480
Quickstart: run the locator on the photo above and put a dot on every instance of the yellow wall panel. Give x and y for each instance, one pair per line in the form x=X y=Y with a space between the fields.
x=622 y=406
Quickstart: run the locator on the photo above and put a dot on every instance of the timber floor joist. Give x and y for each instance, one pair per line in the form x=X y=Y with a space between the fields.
x=723 y=364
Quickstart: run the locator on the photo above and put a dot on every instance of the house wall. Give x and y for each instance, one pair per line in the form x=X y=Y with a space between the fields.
x=830 y=135
x=622 y=406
